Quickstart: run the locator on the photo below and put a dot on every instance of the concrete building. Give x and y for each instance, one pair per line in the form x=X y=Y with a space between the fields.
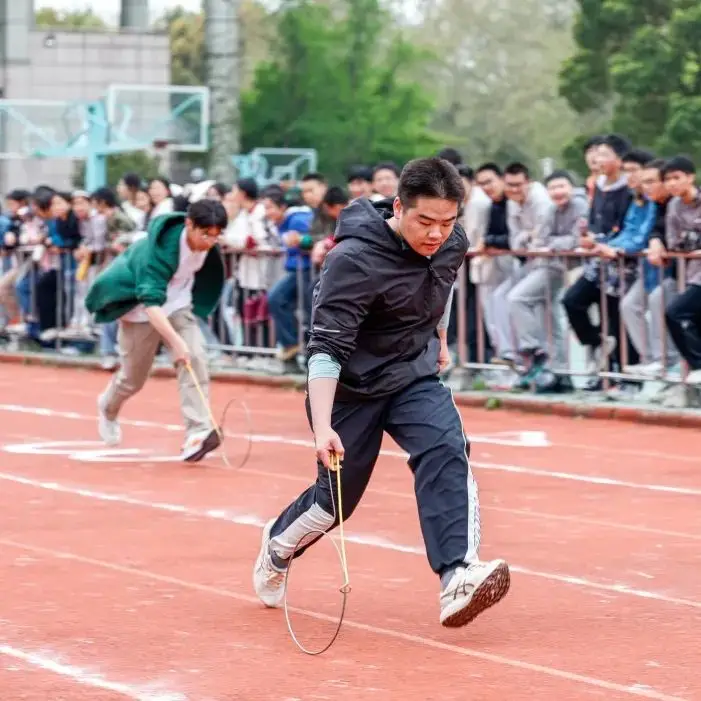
x=39 y=64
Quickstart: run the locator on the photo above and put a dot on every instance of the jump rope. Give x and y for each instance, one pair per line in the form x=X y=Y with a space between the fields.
x=337 y=507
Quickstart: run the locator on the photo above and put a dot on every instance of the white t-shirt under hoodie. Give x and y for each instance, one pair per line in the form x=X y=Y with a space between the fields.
x=179 y=292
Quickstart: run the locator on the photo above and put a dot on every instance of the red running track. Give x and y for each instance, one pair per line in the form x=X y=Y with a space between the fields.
x=127 y=575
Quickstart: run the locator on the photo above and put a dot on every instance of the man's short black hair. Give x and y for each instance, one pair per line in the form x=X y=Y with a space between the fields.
x=451 y=155
x=42 y=197
x=133 y=181
x=22 y=196
x=387 y=165
x=335 y=195
x=466 y=172
x=659 y=164
x=104 y=195
x=620 y=145
x=249 y=187
x=639 y=156
x=517 y=168
x=679 y=164
x=430 y=177
x=363 y=173
x=318 y=177
x=560 y=175
x=207 y=213
x=276 y=195
x=491 y=167
x=593 y=142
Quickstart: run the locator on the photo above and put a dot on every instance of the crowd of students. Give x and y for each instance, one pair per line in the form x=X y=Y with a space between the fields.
x=544 y=256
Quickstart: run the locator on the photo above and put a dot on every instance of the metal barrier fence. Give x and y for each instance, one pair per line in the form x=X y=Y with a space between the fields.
x=511 y=309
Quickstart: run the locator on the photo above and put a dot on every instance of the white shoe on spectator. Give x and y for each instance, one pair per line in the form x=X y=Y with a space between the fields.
x=694 y=378
x=109 y=362
x=675 y=397
x=109 y=431
x=651 y=370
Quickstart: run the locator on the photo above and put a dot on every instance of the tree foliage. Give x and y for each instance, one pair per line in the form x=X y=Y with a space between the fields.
x=496 y=73
x=50 y=18
x=640 y=59
x=339 y=80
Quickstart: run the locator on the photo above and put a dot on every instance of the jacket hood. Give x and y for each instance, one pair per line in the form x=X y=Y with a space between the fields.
x=617 y=185
x=164 y=222
x=579 y=194
x=363 y=219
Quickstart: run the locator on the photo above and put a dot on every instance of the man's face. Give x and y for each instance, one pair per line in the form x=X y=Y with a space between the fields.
x=491 y=183
x=678 y=183
x=516 y=187
x=634 y=171
x=81 y=207
x=652 y=185
x=591 y=158
x=359 y=188
x=201 y=238
x=609 y=161
x=385 y=182
x=333 y=210
x=313 y=193
x=560 y=191
x=273 y=212
x=426 y=225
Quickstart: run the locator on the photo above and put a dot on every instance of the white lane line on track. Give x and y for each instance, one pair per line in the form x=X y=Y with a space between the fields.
x=282 y=440
x=246 y=519
x=50 y=663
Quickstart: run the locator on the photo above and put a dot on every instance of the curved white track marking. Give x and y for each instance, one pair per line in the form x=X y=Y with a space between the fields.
x=635 y=690
x=135 y=455
x=84 y=677
x=241 y=518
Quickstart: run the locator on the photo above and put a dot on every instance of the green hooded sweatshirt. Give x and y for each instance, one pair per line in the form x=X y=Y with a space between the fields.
x=142 y=273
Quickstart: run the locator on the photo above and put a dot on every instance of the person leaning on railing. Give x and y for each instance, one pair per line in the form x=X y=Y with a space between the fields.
x=683 y=315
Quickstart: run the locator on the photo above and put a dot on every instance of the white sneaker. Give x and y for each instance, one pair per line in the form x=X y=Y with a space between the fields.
x=472 y=590
x=199 y=444
x=694 y=377
x=268 y=580
x=109 y=431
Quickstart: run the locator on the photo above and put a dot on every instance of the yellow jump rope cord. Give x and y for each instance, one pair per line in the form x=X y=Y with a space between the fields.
x=336 y=467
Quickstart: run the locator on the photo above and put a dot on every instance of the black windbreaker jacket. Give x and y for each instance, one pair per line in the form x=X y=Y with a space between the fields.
x=377 y=303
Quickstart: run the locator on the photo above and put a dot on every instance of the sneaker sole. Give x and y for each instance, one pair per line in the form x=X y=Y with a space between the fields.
x=490 y=592
x=212 y=442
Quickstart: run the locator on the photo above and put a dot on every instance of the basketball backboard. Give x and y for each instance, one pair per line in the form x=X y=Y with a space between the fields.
x=146 y=114
x=271 y=165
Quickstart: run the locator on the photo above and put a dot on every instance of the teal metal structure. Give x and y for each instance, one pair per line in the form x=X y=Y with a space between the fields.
x=94 y=130
x=259 y=164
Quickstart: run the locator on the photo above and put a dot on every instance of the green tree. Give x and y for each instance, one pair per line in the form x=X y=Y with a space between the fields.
x=50 y=18
x=495 y=75
x=339 y=81
x=640 y=62
x=118 y=164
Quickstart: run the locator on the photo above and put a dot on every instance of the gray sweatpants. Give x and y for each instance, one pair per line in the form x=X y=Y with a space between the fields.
x=493 y=294
x=645 y=330
x=138 y=345
x=537 y=316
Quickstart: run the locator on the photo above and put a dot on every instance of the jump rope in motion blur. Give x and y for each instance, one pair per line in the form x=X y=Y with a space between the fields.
x=337 y=506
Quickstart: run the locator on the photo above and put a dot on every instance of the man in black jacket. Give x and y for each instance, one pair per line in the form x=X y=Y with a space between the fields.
x=378 y=338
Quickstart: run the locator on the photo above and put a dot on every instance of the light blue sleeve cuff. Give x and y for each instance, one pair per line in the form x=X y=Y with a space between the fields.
x=323 y=365
x=445 y=319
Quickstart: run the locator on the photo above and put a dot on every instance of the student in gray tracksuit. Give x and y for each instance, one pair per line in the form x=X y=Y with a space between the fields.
x=543 y=278
x=378 y=336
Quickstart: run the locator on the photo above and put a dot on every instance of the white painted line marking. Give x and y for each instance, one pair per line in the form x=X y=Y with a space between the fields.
x=87 y=678
x=632 y=690
x=247 y=519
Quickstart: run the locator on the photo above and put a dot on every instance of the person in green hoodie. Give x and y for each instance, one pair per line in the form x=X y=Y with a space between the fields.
x=156 y=290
